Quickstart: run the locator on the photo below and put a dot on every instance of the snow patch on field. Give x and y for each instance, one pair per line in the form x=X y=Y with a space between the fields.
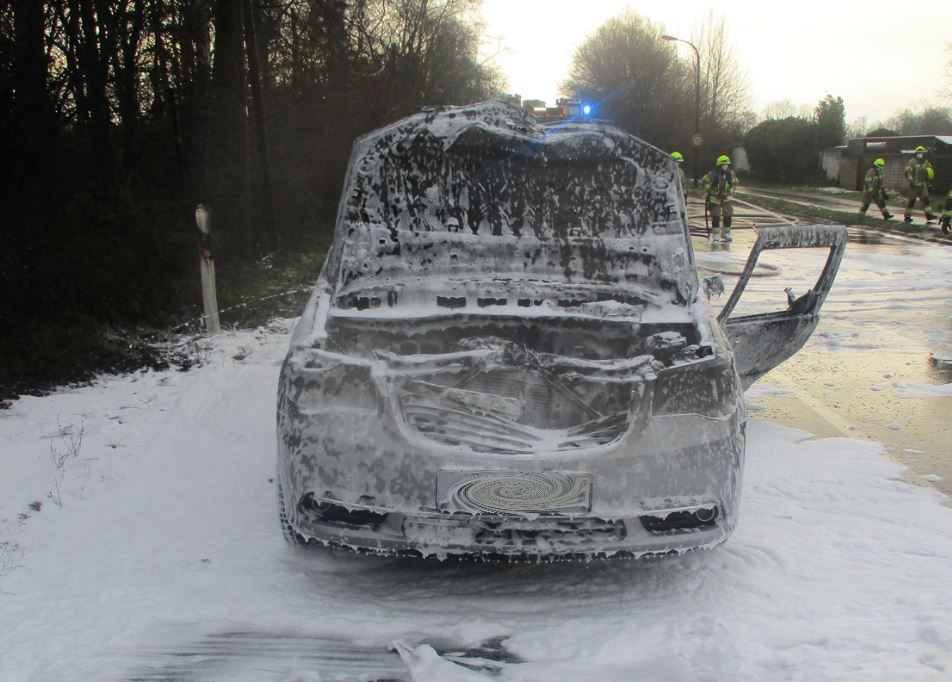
x=163 y=559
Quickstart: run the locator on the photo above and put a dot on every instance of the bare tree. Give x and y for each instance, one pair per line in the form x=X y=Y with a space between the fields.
x=726 y=92
x=636 y=78
x=858 y=128
x=95 y=44
x=948 y=69
x=926 y=120
x=143 y=108
x=782 y=108
x=32 y=112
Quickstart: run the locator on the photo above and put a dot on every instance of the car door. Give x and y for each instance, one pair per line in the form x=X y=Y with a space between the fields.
x=761 y=342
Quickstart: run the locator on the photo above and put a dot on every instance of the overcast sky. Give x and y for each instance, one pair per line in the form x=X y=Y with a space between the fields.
x=878 y=56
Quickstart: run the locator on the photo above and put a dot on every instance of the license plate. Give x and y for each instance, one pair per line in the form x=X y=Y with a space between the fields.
x=513 y=492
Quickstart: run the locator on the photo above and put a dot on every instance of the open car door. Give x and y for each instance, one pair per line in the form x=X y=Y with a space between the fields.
x=761 y=342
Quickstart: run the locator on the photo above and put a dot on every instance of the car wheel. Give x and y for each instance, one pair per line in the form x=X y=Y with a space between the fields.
x=291 y=535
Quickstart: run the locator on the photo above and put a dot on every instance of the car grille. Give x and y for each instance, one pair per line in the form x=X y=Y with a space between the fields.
x=483 y=429
x=509 y=535
x=541 y=533
x=481 y=432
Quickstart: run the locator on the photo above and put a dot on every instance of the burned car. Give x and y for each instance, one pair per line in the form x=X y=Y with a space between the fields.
x=506 y=354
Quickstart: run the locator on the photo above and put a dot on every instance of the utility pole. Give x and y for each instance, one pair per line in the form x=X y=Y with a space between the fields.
x=696 y=140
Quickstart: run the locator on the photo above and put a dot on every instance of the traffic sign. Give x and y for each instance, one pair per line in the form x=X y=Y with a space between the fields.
x=697 y=139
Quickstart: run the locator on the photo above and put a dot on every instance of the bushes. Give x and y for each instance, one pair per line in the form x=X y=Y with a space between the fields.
x=784 y=151
x=787 y=150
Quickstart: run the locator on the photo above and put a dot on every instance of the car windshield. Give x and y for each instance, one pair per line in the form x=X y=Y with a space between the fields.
x=444 y=198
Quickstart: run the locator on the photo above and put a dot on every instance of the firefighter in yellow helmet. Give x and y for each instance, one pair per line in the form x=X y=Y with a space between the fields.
x=719 y=186
x=874 y=189
x=946 y=220
x=677 y=156
x=919 y=174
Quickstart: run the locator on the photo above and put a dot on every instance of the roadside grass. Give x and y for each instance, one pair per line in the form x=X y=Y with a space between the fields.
x=250 y=294
x=761 y=184
x=869 y=221
x=73 y=348
x=896 y=197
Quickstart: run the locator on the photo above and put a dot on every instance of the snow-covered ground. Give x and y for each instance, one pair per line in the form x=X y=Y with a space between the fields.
x=139 y=540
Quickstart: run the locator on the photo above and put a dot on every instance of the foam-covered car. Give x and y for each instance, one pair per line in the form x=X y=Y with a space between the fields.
x=506 y=354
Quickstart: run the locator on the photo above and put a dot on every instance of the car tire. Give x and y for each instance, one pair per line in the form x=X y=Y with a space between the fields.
x=291 y=535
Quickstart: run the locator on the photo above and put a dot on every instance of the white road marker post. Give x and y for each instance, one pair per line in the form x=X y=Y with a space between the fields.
x=203 y=217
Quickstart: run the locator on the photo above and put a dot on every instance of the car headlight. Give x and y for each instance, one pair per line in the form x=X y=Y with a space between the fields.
x=324 y=383
x=707 y=388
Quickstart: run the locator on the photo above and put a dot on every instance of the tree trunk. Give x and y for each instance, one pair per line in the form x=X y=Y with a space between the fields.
x=159 y=71
x=128 y=80
x=32 y=110
x=228 y=76
x=95 y=69
x=266 y=199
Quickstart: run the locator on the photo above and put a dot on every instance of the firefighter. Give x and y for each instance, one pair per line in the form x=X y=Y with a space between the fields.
x=874 y=189
x=919 y=173
x=946 y=220
x=719 y=188
x=677 y=156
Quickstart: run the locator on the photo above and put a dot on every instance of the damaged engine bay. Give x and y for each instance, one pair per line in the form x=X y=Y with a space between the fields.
x=506 y=356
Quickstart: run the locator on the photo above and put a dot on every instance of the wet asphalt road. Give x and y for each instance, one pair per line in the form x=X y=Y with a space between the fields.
x=873 y=368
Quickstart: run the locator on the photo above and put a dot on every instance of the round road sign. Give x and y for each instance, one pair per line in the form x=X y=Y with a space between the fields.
x=697 y=139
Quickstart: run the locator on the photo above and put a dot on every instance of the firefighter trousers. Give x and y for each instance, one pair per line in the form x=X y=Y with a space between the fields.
x=716 y=210
x=918 y=193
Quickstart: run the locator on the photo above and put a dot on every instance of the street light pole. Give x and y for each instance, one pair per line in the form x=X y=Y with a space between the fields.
x=697 y=102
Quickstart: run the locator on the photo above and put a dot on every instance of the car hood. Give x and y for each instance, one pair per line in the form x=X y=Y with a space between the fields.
x=484 y=192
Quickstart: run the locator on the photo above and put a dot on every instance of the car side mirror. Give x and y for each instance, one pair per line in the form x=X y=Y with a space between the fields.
x=713 y=286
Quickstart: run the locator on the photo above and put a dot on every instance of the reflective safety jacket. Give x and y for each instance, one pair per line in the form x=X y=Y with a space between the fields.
x=875 y=182
x=916 y=172
x=719 y=186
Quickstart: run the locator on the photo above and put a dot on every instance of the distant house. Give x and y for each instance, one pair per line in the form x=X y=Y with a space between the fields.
x=830 y=160
x=859 y=153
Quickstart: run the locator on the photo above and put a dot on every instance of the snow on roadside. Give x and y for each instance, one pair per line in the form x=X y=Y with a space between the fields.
x=166 y=544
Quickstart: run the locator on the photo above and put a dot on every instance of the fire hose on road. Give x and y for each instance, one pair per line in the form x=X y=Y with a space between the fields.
x=752 y=216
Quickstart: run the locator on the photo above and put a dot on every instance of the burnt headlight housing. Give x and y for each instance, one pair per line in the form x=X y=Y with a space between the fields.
x=707 y=388
x=323 y=382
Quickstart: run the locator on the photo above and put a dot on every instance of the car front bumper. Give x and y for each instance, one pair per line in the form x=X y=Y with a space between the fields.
x=438 y=535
